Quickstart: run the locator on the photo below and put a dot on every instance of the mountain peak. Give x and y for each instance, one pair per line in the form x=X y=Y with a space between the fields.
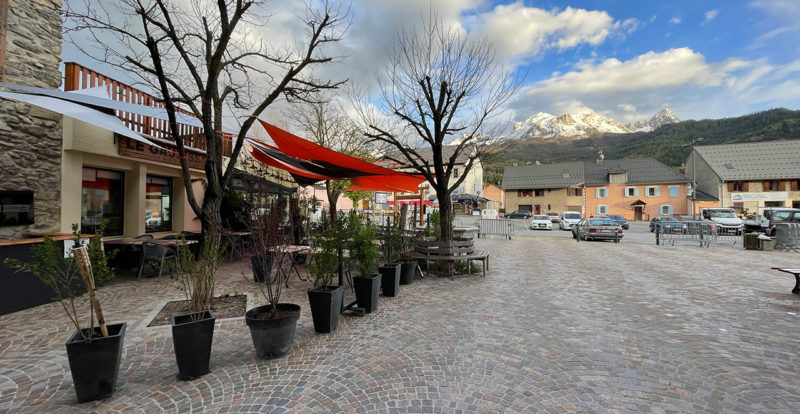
x=585 y=124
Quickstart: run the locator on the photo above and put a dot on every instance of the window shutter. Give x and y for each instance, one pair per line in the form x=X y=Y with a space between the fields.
x=597 y=209
x=671 y=211
x=744 y=186
x=782 y=185
x=673 y=191
x=730 y=186
x=766 y=186
x=636 y=192
x=658 y=191
x=794 y=185
x=596 y=193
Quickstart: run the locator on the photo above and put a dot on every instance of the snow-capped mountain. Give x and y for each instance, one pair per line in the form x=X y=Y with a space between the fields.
x=585 y=124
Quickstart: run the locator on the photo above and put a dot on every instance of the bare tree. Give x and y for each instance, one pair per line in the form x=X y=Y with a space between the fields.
x=325 y=123
x=439 y=87
x=203 y=55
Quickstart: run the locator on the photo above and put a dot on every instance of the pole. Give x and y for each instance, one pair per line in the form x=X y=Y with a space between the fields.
x=694 y=186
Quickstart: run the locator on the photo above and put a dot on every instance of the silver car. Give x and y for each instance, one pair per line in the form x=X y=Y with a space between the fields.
x=597 y=229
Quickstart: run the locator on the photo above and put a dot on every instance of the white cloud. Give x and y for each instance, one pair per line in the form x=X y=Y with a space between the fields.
x=518 y=30
x=675 y=20
x=626 y=107
x=710 y=15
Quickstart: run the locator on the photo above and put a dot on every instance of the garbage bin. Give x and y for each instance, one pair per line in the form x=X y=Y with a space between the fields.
x=767 y=245
x=751 y=241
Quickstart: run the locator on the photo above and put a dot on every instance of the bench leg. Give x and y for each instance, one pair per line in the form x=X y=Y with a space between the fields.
x=796 y=289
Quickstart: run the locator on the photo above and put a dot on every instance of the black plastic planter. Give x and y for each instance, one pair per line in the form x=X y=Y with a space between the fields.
x=192 y=334
x=273 y=338
x=407 y=272
x=367 y=289
x=390 y=279
x=326 y=305
x=95 y=364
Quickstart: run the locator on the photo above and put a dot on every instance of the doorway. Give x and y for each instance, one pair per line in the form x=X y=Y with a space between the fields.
x=638 y=211
x=537 y=209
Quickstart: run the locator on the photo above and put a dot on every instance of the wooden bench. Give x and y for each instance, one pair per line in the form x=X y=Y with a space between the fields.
x=451 y=251
x=792 y=271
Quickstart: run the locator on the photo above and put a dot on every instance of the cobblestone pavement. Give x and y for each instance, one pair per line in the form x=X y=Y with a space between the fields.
x=556 y=326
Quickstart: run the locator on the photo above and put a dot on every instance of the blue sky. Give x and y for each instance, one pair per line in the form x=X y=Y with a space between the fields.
x=622 y=59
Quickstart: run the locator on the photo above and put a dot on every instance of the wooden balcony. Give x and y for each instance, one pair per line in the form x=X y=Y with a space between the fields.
x=77 y=77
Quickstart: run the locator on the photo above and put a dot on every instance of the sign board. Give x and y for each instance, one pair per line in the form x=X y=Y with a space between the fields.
x=137 y=149
x=765 y=196
x=380 y=198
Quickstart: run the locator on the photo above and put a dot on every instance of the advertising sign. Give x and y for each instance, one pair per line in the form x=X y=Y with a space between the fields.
x=765 y=196
x=380 y=198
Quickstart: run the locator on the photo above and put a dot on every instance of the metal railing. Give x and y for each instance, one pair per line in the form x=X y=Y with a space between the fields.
x=703 y=233
x=787 y=237
x=502 y=227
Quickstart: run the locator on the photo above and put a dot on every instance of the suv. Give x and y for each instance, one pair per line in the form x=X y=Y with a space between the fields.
x=726 y=220
x=569 y=218
x=525 y=214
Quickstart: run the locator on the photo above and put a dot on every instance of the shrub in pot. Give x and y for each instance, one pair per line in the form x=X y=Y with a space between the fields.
x=392 y=242
x=272 y=326
x=93 y=352
x=324 y=298
x=193 y=332
x=364 y=254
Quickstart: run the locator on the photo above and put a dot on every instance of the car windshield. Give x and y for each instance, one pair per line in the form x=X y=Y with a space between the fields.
x=668 y=219
x=722 y=214
x=540 y=217
x=572 y=216
x=552 y=214
x=617 y=217
x=602 y=222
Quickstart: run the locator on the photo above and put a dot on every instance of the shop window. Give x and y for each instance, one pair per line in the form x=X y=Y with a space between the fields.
x=601 y=193
x=631 y=192
x=101 y=198
x=652 y=191
x=158 y=204
x=524 y=193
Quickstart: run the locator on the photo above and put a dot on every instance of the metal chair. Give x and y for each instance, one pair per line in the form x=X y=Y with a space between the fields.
x=153 y=253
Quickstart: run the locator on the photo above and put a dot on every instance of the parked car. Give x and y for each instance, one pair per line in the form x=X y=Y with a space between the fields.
x=541 y=222
x=597 y=229
x=569 y=218
x=525 y=214
x=668 y=224
x=622 y=221
x=554 y=217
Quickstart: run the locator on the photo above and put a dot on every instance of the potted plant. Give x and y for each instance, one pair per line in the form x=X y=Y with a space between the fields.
x=193 y=332
x=364 y=254
x=272 y=326
x=392 y=241
x=93 y=352
x=325 y=299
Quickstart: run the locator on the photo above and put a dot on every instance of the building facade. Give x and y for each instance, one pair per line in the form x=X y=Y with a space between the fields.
x=637 y=189
x=747 y=177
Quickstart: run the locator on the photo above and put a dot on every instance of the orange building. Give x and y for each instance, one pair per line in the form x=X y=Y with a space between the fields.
x=637 y=189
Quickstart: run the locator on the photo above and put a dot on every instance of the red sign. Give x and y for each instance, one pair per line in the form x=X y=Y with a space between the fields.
x=167 y=155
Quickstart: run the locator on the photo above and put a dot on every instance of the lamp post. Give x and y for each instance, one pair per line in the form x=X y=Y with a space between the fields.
x=694 y=180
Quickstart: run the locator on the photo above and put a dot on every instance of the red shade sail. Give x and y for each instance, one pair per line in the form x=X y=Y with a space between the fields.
x=398 y=182
x=302 y=176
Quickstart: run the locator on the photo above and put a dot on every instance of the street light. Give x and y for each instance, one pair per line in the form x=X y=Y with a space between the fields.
x=694 y=180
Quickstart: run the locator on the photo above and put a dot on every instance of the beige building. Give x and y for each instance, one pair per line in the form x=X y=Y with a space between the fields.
x=544 y=188
x=747 y=177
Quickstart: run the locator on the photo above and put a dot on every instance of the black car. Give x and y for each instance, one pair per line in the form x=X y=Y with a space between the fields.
x=622 y=221
x=524 y=214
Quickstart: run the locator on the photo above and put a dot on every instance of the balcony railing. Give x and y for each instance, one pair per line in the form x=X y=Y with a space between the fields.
x=77 y=77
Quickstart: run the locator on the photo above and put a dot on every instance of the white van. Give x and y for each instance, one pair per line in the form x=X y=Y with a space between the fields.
x=489 y=213
x=568 y=218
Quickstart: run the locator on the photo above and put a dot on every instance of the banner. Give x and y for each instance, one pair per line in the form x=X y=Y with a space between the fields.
x=765 y=196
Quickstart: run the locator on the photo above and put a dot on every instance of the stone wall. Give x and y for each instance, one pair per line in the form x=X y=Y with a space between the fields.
x=30 y=137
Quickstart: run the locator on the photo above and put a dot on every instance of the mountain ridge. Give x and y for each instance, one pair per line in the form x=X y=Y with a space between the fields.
x=584 y=124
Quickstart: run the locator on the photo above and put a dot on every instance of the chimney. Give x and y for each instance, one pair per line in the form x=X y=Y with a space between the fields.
x=600 y=157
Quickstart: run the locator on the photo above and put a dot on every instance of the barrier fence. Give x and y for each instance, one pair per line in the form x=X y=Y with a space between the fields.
x=787 y=237
x=502 y=227
x=702 y=233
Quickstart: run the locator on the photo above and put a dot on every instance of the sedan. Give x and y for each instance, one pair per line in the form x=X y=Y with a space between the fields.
x=597 y=229
x=525 y=214
x=554 y=217
x=622 y=221
x=539 y=222
x=668 y=225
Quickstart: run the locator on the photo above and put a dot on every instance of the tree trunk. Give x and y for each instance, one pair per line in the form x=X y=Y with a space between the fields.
x=445 y=214
x=333 y=197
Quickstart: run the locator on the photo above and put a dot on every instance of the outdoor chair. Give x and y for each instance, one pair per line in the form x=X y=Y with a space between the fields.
x=155 y=255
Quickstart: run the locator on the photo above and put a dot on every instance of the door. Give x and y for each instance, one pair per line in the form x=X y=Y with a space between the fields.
x=537 y=209
x=637 y=213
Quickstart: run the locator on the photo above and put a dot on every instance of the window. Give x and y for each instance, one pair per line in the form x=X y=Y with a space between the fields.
x=576 y=192
x=455 y=172
x=673 y=191
x=631 y=192
x=665 y=210
x=737 y=186
x=101 y=198
x=524 y=193
x=16 y=208
x=602 y=209
x=158 y=204
x=774 y=185
x=794 y=184
x=538 y=193
x=601 y=192
x=652 y=191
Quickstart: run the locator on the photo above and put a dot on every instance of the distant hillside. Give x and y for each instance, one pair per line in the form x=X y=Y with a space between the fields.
x=663 y=144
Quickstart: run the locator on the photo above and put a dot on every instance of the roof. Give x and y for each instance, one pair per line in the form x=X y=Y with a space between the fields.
x=426 y=153
x=753 y=161
x=640 y=171
x=562 y=175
